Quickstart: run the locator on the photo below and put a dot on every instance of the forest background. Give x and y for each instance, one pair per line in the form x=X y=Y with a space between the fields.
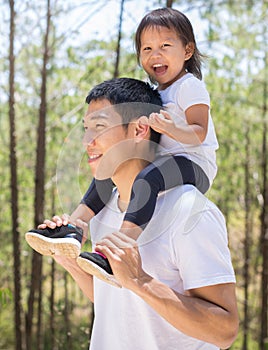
x=52 y=53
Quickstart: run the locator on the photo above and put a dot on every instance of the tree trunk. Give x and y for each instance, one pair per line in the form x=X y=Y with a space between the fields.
x=169 y=3
x=264 y=230
x=264 y=214
x=116 y=68
x=14 y=181
x=247 y=240
x=52 y=285
x=39 y=188
x=39 y=313
x=67 y=310
x=52 y=306
x=264 y=248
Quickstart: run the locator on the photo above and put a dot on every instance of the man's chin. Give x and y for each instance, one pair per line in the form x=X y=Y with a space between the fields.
x=102 y=176
x=102 y=171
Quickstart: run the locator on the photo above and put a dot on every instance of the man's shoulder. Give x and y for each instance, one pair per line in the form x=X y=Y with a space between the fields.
x=180 y=211
x=183 y=203
x=186 y=196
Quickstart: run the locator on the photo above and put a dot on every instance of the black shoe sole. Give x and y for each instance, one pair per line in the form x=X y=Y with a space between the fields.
x=69 y=247
x=95 y=270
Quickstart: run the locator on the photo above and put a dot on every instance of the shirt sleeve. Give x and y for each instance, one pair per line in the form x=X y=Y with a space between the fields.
x=201 y=251
x=191 y=92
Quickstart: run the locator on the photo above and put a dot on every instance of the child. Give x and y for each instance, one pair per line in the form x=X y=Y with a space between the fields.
x=167 y=51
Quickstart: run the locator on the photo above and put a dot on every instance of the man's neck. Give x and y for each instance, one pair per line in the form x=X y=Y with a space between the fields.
x=124 y=180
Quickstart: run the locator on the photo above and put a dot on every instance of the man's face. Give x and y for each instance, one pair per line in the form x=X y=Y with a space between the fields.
x=106 y=141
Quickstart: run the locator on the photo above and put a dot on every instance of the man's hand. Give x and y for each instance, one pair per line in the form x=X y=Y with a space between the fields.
x=124 y=257
x=65 y=219
x=56 y=221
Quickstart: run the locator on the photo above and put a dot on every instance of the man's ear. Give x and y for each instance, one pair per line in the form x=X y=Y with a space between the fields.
x=189 y=51
x=142 y=129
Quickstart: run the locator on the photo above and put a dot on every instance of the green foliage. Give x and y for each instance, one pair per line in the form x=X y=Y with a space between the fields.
x=7 y=340
x=6 y=326
x=6 y=297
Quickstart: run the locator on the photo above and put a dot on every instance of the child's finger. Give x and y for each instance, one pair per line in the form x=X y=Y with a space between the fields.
x=165 y=114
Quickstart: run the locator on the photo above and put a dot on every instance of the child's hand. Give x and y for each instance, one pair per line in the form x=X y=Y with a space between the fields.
x=161 y=122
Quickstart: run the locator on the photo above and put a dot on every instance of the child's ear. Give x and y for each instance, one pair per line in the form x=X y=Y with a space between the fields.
x=189 y=51
x=142 y=128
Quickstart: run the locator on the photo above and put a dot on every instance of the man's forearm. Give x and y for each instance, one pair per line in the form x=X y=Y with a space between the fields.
x=84 y=280
x=208 y=313
x=82 y=212
x=191 y=315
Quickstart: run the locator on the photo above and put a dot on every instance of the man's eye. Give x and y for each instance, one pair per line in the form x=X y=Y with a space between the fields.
x=98 y=126
x=146 y=48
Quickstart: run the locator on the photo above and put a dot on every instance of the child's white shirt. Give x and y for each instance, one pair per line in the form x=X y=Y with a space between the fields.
x=177 y=98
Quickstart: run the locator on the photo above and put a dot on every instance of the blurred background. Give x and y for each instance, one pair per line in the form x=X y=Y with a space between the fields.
x=52 y=52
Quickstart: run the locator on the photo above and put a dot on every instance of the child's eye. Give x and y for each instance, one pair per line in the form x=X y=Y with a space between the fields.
x=165 y=45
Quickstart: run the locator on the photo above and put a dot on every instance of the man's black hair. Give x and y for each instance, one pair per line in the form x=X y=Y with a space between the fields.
x=124 y=90
x=132 y=98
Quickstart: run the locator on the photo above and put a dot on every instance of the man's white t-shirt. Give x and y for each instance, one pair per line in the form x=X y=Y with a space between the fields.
x=177 y=98
x=184 y=246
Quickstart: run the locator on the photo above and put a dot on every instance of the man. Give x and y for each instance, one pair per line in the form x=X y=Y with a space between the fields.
x=178 y=284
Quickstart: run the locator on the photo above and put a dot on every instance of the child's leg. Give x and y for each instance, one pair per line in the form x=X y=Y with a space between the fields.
x=163 y=174
x=98 y=194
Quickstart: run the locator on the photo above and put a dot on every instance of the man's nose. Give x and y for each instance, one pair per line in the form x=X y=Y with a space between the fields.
x=89 y=139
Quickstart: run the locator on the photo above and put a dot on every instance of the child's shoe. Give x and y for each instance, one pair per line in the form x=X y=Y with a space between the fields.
x=63 y=240
x=97 y=265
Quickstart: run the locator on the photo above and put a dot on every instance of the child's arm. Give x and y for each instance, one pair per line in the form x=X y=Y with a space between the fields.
x=194 y=132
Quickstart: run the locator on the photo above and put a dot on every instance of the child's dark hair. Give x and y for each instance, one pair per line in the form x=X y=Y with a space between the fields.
x=177 y=21
x=131 y=98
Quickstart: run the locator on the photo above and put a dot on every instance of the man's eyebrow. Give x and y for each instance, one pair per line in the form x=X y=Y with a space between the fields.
x=98 y=116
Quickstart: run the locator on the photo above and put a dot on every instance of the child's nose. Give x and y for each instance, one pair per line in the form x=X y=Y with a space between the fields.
x=156 y=52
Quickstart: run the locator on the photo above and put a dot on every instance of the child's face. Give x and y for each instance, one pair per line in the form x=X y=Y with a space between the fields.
x=163 y=55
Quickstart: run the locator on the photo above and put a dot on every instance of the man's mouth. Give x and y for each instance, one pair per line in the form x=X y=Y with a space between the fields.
x=93 y=157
